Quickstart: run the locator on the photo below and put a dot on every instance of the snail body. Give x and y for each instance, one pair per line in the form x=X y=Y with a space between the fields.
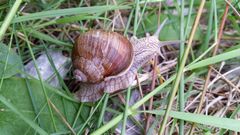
x=144 y=50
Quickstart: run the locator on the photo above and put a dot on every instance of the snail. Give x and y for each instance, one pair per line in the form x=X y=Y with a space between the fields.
x=108 y=62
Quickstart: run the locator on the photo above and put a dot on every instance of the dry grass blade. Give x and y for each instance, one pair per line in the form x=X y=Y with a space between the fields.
x=225 y=79
x=62 y=117
x=149 y=117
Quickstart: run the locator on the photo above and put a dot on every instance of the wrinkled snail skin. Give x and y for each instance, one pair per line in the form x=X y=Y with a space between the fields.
x=144 y=50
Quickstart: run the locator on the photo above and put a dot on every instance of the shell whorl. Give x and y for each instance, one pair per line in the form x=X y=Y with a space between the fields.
x=98 y=54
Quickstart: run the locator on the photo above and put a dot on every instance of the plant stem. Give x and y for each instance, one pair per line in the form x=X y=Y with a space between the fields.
x=181 y=87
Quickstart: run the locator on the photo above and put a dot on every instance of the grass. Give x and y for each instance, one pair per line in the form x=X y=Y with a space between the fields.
x=183 y=101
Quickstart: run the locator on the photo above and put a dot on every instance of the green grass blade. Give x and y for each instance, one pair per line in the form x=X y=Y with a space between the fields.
x=9 y=17
x=6 y=61
x=225 y=123
x=77 y=115
x=215 y=59
x=79 y=18
x=100 y=120
x=90 y=116
x=136 y=17
x=204 y=46
x=128 y=23
x=46 y=37
x=65 y=12
x=60 y=79
x=125 y=116
x=109 y=125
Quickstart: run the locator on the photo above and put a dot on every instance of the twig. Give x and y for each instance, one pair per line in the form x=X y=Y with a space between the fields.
x=141 y=93
x=216 y=78
x=120 y=96
x=225 y=79
x=151 y=99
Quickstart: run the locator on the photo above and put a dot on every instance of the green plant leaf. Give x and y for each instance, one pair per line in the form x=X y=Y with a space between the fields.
x=16 y=111
x=170 y=31
x=225 y=123
x=13 y=63
x=16 y=92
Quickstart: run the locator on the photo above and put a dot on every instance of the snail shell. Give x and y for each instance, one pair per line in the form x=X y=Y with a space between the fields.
x=98 y=54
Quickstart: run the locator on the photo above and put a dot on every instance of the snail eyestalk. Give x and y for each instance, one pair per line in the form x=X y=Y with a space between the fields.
x=160 y=28
x=163 y=43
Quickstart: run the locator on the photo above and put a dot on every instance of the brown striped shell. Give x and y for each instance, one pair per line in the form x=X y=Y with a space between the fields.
x=98 y=54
